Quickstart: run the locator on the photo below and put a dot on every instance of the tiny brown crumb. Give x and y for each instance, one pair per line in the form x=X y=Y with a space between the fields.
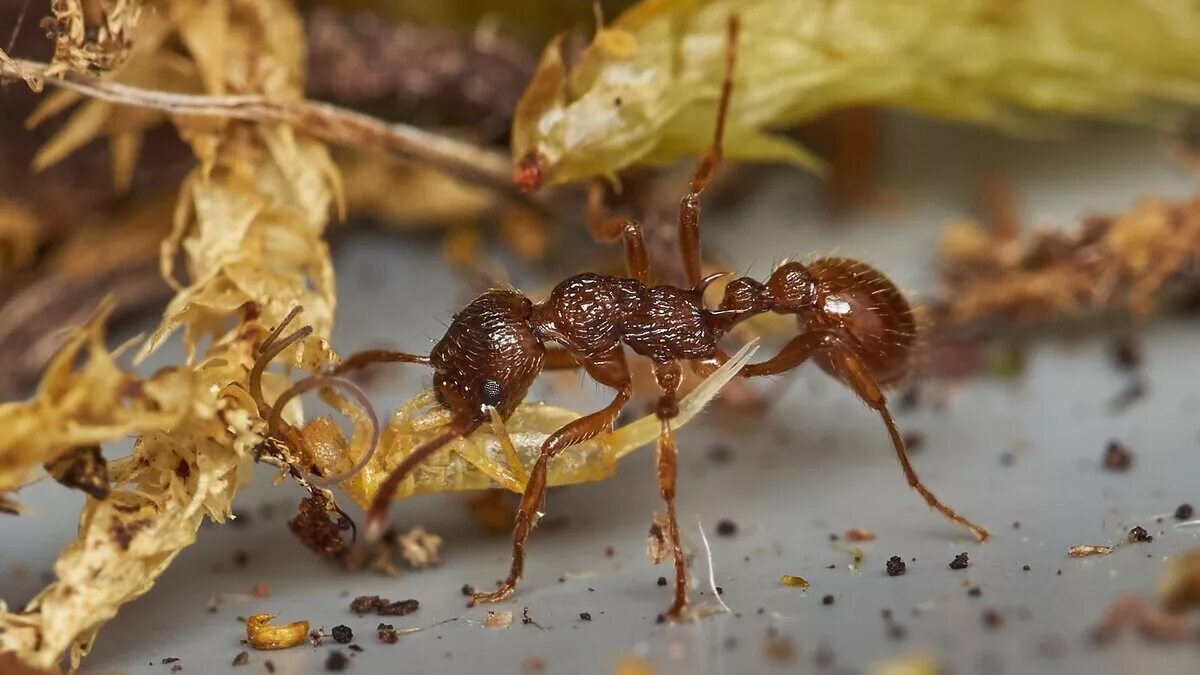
x=859 y=534
x=1184 y=512
x=726 y=528
x=779 y=648
x=497 y=619
x=797 y=582
x=241 y=659
x=585 y=616
x=367 y=604
x=1117 y=456
x=992 y=620
x=960 y=562
x=261 y=590
x=263 y=635
x=342 y=634
x=468 y=590
x=895 y=566
x=1127 y=353
x=336 y=661
x=914 y=441
x=827 y=600
x=662 y=581
x=656 y=541
x=1084 y=550
x=1138 y=535
x=528 y=620
x=315 y=529
x=269 y=665
x=387 y=634
x=400 y=608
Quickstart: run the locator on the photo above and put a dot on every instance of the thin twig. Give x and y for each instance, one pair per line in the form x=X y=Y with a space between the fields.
x=327 y=122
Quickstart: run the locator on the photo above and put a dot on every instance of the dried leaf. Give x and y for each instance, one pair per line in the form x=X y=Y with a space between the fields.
x=649 y=96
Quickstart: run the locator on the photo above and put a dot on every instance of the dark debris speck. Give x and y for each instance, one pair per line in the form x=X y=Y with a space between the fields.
x=1139 y=534
x=960 y=562
x=585 y=616
x=1184 y=512
x=241 y=659
x=726 y=527
x=1117 y=456
x=336 y=661
x=342 y=634
x=895 y=566
x=662 y=581
x=827 y=600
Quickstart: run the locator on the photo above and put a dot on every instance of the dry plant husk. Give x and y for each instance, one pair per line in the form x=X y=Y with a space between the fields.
x=248 y=226
x=1112 y=263
x=645 y=90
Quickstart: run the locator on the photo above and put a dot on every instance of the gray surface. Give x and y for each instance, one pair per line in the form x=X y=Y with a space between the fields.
x=818 y=463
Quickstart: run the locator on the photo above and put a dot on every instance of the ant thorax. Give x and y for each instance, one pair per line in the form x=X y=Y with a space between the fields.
x=590 y=314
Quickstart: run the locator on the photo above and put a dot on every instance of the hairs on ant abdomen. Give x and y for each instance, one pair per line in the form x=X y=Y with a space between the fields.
x=852 y=321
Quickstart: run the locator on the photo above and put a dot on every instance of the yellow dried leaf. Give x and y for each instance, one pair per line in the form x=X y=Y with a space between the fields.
x=1002 y=64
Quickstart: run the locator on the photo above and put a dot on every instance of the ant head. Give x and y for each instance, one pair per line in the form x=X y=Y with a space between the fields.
x=860 y=303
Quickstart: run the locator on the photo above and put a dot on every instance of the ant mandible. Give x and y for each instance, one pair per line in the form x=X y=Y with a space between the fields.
x=853 y=322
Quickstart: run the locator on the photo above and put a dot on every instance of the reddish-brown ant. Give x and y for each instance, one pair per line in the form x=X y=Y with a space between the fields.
x=853 y=322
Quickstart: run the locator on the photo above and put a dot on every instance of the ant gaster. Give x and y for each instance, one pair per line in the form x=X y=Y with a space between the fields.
x=853 y=322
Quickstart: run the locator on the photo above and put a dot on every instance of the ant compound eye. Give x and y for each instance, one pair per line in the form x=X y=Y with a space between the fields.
x=491 y=393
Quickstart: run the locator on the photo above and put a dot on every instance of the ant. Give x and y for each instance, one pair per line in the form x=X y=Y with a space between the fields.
x=853 y=322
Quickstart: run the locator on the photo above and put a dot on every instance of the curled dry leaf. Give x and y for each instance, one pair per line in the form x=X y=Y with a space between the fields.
x=646 y=89
x=262 y=634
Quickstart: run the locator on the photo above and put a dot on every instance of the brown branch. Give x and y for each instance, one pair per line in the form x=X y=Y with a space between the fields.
x=327 y=122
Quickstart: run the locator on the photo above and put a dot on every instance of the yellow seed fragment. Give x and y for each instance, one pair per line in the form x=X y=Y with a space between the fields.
x=789 y=580
x=262 y=635
x=1085 y=550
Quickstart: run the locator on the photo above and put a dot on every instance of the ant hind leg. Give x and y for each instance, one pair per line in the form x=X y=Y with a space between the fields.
x=856 y=375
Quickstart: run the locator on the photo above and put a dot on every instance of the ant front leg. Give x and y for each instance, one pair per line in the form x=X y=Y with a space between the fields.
x=669 y=376
x=367 y=357
x=610 y=370
x=689 y=207
x=856 y=374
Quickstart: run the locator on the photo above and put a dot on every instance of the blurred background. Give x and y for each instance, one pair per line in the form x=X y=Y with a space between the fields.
x=1054 y=274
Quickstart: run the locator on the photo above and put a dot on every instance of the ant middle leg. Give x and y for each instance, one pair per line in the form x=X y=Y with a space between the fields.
x=618 y=227
x=610 y=370
x=854 y=372
x=689 y=207
x=669 y=376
